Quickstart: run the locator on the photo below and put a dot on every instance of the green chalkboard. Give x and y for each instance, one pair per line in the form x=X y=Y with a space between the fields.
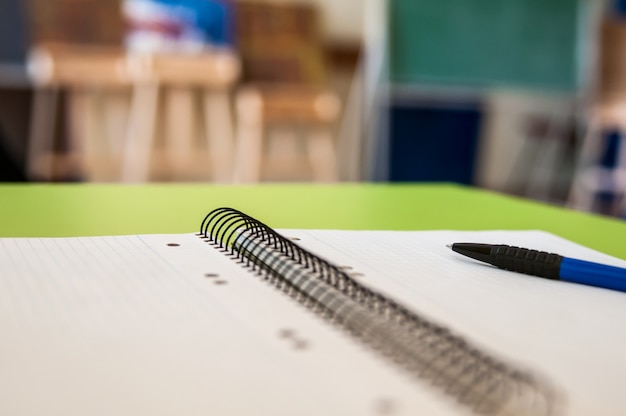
x=518 y=43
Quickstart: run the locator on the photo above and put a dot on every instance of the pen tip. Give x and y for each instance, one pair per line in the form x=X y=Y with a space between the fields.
x=449 y=245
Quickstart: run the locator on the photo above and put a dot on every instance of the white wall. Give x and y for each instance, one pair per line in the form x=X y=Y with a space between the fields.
x=342 y=20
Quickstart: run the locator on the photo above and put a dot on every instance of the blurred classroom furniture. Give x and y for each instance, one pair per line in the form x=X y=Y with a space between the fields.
x=54 y=67
x=285 y=94
x=600 y=182
x=130 y=117
x=454 y=60
x=313 y=112
x=546 y=159
x=82 y=122
x=93 y=77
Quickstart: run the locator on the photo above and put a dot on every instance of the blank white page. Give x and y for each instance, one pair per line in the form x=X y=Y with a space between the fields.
x=166 y=324
x=573 y=335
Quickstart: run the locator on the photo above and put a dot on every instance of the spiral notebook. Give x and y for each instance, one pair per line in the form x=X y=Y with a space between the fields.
x=241 y=319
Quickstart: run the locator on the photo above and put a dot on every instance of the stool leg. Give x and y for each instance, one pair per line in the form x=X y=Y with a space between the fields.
x=541 y=176
x=323 y=156
x=140 y=134
x=249 y=143
x=85 y=129
x=282 y=153
x=220 y=134
x=582 y=189
x=98 y=120
x=43 y=125
x=179 y=128
x=116 y=107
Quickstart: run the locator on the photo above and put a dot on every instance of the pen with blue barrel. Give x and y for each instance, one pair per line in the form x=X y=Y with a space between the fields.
x=547 y=265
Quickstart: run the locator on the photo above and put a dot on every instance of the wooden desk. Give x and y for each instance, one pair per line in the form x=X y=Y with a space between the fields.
x=71 y=210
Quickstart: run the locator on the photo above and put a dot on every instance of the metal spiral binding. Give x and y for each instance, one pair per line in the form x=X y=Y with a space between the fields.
x=424 y=348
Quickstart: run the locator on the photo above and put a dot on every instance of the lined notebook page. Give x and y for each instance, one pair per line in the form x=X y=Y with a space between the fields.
x=166 y=324
x=573 y=335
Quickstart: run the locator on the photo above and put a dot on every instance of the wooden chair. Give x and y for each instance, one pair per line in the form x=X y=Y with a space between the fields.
x=544 y=164
x=85 y=73
x=285 y=89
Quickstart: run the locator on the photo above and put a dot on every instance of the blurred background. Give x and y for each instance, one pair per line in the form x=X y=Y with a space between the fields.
x=526 y=97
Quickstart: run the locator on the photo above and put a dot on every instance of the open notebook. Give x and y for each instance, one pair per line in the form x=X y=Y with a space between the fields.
x=244 y=320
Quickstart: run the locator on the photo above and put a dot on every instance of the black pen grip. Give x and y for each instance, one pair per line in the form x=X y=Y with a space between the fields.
x=523 y=260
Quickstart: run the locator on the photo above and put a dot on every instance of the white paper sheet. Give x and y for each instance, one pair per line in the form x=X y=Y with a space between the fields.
x=574 y=335
x=132 y=325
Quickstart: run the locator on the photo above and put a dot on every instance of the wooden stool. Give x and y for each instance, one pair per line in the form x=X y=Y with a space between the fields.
x=88 y=71
x=289 y=107
x=85 y=72
x=214 y=74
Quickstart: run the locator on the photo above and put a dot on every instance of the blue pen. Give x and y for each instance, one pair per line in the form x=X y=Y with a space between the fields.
x=547 y=265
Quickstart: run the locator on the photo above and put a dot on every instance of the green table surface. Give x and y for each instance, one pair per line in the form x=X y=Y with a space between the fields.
x=63 y=210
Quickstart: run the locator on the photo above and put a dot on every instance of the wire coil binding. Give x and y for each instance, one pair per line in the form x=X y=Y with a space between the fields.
x=424 y=348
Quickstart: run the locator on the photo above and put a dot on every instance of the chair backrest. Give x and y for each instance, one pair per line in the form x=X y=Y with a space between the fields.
x=280 y=42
